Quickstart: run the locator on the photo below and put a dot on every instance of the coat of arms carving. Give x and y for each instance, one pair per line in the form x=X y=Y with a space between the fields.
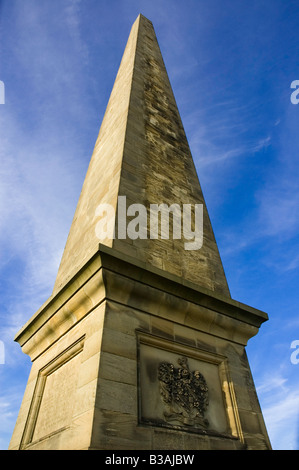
x=184 y=393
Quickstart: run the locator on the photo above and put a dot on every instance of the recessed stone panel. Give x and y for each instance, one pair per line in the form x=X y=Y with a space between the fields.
x=54 y=397
x=182 y=388
x=58 y=399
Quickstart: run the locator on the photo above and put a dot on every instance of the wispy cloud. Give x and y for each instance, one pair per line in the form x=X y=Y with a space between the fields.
x=73 y=10
x=273 y=382
x=279 y=416
x=32 y=211
x=42 y=159
x=278 y=393
x=212 y=153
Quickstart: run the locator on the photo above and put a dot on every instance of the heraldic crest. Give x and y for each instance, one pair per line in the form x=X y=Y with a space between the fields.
x=184 y=393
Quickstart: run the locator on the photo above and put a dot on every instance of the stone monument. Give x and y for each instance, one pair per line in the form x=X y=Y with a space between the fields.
x=140 y=345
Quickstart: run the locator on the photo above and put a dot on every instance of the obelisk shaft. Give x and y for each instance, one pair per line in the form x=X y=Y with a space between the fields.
x=142 y=153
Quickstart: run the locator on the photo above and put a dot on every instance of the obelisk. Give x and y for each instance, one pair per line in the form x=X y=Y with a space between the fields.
x=140 y=345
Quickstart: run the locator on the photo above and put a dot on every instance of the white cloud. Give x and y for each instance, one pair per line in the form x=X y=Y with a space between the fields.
x=73 y=10
x=32 y=205
x=272 y=382
x=279 y=396
x=279 y=418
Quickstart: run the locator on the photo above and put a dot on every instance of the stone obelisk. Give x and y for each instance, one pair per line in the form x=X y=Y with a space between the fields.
x=140 y=345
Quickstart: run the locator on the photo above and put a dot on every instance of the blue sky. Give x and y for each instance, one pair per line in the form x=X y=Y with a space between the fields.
x=231 y=64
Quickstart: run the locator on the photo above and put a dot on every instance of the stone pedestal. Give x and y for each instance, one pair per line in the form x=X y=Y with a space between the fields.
x=127 y=356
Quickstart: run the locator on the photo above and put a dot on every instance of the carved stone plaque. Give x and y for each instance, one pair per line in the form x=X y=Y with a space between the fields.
x=184 y=393
x=180 y=388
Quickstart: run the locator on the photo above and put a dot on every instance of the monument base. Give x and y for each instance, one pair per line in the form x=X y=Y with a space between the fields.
x=127 y=356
